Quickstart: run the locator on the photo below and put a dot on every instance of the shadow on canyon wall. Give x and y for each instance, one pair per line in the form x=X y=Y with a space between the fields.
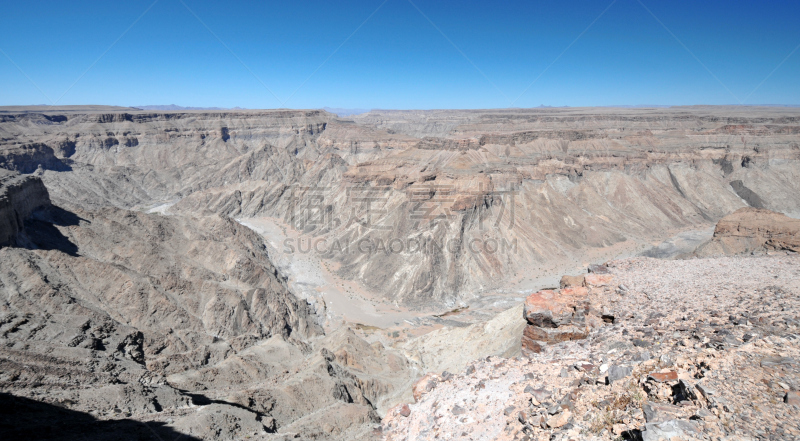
x=26 y=419
x=42 y=232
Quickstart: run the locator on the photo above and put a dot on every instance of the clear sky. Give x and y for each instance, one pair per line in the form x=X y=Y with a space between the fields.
x=400 y=53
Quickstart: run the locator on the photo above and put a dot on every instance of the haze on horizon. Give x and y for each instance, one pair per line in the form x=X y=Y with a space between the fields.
x=400 y=54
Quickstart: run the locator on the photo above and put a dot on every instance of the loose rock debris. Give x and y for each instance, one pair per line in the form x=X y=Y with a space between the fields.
x=699 y=349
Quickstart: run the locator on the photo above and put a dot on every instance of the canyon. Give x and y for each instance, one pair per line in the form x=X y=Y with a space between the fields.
x=281 y=274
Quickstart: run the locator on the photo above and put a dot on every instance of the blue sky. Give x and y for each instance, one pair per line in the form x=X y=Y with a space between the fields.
x=387 y=54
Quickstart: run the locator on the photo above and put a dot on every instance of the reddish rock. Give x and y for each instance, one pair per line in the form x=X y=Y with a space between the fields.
x=405 y=410
x=543 y=308
x=663 y=376
x=574 y=294
x=530 y=346
x=555 y=316
x=559 y=420
x=792 y=398
x=550 y=309
x=586 y=367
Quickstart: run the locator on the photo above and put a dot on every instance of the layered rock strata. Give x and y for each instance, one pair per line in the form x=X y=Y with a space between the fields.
x=749 y=230
x=20 y=197
x=569 y=313
x=491 y=197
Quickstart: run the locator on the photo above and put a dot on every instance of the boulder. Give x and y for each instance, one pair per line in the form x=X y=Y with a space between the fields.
x=554 y=316
x=551 y=309
x=679 y=429
x=616 y=373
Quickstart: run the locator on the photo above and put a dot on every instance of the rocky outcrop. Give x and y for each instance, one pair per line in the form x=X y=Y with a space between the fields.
x=699 y=349
x=570 y=313
x=20 y=196
x=28 y=158
x=749 y=230
x=435 y=351
x=555 y=316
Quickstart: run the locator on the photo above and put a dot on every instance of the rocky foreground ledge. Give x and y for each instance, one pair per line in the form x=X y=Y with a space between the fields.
x=683 y=349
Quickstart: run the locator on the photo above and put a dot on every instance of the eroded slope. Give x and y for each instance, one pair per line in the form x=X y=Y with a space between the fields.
x=557 y=187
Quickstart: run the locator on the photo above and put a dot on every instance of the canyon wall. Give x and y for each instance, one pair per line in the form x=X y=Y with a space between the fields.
x=432 y=207
x=20 y=196
x=138 y=294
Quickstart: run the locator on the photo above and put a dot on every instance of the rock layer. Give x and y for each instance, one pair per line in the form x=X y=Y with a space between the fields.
x=554 y=316
x=546 y=187
x=750 y=230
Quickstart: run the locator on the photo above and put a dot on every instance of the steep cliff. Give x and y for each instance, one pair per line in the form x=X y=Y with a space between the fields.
x=20 y=196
